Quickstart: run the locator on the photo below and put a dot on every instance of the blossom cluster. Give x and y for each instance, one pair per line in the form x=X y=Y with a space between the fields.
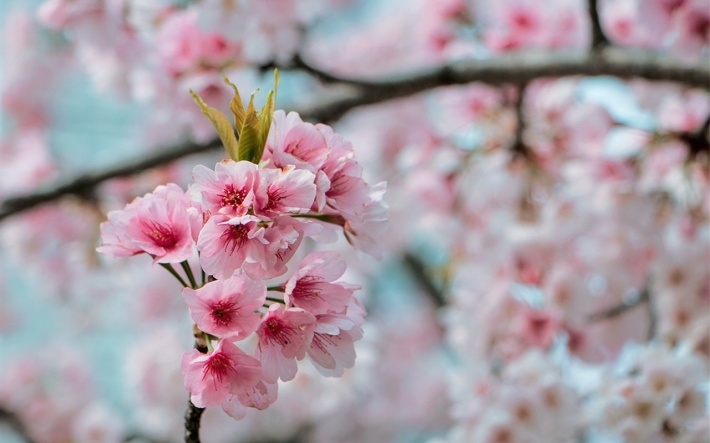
x=245 y=222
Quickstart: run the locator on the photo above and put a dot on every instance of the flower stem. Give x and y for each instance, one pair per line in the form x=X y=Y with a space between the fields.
x=172 y=270
x=204 y=276
x=276 y=288
x=188 y=271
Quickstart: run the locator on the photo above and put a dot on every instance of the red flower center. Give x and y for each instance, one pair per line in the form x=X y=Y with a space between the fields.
x=219 y=366
x=232 y=197
x=223 y=312
x=235 y=237
x=162 y=235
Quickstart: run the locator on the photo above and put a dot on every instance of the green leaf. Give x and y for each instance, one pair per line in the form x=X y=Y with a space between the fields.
x=266 y=115
x=221 y=123
x=249 y=135
x=236 y=106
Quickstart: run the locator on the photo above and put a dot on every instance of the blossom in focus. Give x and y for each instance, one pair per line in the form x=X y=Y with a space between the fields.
x=227 y=308
x=219 y=377
x=313 y=287
x=164 y=224
x=284 y=336
x=228 y=189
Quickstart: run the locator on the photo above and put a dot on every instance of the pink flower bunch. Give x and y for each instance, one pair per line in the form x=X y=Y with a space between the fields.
x=245 y=221
x=317 y=316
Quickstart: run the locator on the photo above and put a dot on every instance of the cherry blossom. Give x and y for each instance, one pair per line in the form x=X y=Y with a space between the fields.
x=284 y=191
x=228 y=189
x=227 y=308
x=163 y=224
x=219 y=377
x=313 y=286
x=284 y=337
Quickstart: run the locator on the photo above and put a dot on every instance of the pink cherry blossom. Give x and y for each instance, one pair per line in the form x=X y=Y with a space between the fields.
x=227 y=308
x=179 y=42
x=283 y=238
x=285 y=190
x=58 y=14
x=219 y=377
x=260 y=396
x=348 y=192
x=284 y=336
x=539 y=328
x=365 y=230
x=332 y=349
x=163 y=223
x=226 y=244
x=228 y=189
x=293 y=142
x=313 y=286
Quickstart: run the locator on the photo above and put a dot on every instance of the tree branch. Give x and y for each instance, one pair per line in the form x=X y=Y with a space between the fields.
x=516 y=68
x=421 y=275
x=616 y=311
x=193 y=414
x=85 y=184
x=599 y=39
x=14 y=422
x=519 y=147
x=508 y=69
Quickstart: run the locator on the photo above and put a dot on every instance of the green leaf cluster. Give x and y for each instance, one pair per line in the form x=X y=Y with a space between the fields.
x=247 y=138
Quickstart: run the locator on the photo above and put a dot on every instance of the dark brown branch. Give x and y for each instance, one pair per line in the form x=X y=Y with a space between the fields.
x=510 y=69
x=697 y=142
x=519 y=147
x=85 y=184
x=15 y=424
x=616 y=311
x=193 y=414
x=524 y=67
x=421 y=275
x=599 y=39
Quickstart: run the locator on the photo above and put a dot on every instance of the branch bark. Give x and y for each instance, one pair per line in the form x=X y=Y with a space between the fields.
x=193 y=414
x=509 y=69
x=599 y=39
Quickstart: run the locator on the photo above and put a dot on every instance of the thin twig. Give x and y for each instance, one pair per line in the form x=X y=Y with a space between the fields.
x=511 y=69
x=599 y=39
x=519 y=147
x=618 y=310
x=652 y=317
x=419 y=272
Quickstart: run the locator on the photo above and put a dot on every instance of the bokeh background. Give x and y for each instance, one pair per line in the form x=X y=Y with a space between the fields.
x=545 y=273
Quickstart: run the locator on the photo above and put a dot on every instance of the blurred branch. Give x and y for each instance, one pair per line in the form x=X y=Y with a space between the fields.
x=698 y=141
x=616 y=311
x=15 y=424
x=518 y=147
x=516 y=68
x=599 y=39
x=84 y=184
x=421 y=275
x=652 y=317
x=507 y=69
